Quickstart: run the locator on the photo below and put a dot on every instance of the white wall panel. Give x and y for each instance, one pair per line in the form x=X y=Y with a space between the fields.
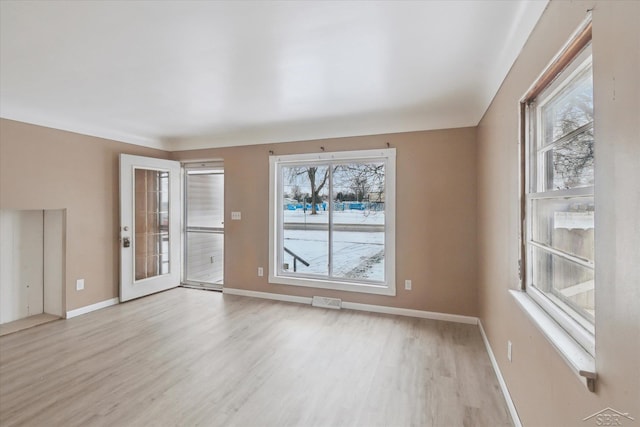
x=21 y=264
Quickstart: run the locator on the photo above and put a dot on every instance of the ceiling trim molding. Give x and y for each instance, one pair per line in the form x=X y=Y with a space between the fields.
x=89 y=131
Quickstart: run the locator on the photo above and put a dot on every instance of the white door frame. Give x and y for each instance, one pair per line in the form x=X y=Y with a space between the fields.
x=214 y=165
x=131 y=288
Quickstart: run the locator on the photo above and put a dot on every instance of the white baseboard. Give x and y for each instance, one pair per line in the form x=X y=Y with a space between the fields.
x=93 y=307
x=457 y=318
x=503 y=385
x=357 y=306
x=266 y=295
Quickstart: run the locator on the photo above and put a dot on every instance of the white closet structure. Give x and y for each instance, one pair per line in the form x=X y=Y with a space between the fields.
x=31 y=263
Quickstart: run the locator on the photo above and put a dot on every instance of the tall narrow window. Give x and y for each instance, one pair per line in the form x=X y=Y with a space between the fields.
x=333 y=220
x=559 y=198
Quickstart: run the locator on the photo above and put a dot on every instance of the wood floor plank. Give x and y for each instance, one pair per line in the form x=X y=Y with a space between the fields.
x=26 y=323
x=189 y=357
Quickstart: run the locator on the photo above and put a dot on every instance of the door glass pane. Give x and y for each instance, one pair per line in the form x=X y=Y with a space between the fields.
x=305 y=199
x=358 y=221
x=151 y=228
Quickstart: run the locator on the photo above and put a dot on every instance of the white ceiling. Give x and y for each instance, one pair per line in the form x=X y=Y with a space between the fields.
x=195 y=74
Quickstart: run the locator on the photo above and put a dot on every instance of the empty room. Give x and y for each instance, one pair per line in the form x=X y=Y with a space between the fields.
x=320 y=213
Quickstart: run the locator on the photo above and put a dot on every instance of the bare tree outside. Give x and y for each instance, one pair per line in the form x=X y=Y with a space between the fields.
x=317 y=177
x=341 y=232
x=364 y=180
x=569 y=123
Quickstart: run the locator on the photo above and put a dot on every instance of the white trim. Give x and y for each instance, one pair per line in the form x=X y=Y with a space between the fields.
x=130 y=287
x=561 y=194
x=433 y=315
x=503 y=385
x=93 y=307
x=457 y=318
x=577 y=66
x=307 y=282
x=88 y=130
x=267 y=295
x=588 y=19
x=277 y=276
x=329 y=156
x=579 y=360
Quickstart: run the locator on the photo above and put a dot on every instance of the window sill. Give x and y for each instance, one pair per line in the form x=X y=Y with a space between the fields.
x=578 y=359
x=335 y=285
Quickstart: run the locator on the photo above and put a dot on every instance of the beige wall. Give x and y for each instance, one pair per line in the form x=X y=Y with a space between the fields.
x=43 y=168
x=436 y=227
x=545 y=391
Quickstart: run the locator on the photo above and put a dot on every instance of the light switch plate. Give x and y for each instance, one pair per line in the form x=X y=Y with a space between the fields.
x=236 y=216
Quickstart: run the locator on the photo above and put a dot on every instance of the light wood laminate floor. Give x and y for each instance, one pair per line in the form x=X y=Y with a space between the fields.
x=188 y=357
x=26 y=323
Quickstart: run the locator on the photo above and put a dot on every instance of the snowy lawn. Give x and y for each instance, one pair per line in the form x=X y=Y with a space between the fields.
x=355 y=254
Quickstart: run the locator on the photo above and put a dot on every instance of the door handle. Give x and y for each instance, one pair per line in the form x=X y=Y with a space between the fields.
x=126 y=242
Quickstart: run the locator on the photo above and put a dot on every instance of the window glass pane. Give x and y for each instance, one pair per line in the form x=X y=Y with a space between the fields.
x=305 y=202
x=565 y=224
x=205 y=207
x=568 y=284
x=569 y=164
x=359 y=221
x=151 y=223
x=570 y=109
x=332 y=213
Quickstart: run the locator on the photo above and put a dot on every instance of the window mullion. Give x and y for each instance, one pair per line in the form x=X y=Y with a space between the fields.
x=562 y=194
x=280 y=220
x=330 y=225
x=578 y=260
x=567 y=137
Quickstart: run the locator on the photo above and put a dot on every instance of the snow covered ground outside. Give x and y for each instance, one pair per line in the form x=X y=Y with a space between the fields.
x=356 y=254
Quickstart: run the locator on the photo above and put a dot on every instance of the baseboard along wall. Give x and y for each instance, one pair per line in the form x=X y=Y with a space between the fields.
x=503 y=385
x=93 y=307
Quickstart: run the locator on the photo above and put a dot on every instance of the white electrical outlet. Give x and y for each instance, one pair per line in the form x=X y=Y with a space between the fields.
x=509 y=350
x=236 y=216
x=79 y=284
x=260 y=272
x=407 y=285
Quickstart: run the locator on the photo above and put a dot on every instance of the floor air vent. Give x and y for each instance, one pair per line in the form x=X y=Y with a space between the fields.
x=327 y=302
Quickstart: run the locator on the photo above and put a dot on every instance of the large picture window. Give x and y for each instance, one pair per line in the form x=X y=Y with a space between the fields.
x=559 y=198
x=333 y=222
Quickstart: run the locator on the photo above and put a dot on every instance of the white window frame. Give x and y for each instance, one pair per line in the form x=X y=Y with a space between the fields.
x=581 y=330
x=388 y=156
x=573 y=340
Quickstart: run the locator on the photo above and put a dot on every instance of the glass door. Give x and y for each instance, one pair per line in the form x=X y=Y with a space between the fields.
x=204 y=225
x=149 y=226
